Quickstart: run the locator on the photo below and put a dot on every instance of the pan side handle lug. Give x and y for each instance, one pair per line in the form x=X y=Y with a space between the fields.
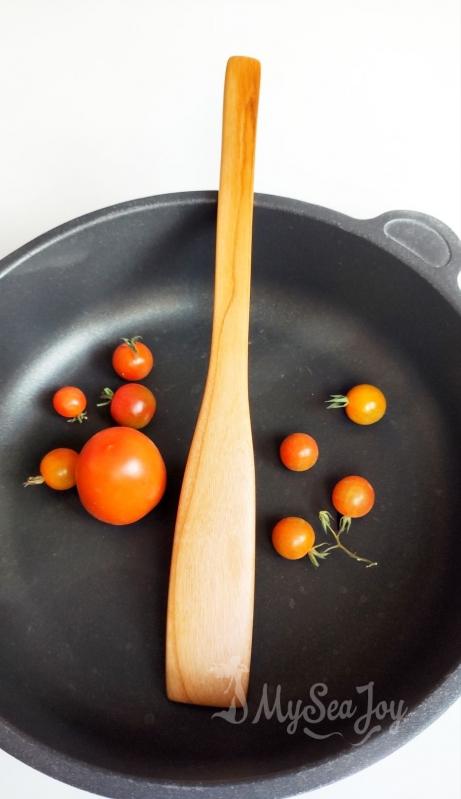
x=427 y=243
x=420 y=238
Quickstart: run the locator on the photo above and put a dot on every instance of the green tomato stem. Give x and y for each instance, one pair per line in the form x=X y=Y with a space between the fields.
x=314 y=555
x=336 y=401
x=82 y=417
x=344 y=525
x=106 y=395
x=131 y=342
x=35 y=480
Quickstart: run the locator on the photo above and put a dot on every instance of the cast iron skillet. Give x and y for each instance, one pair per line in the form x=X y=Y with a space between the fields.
x=335 y=301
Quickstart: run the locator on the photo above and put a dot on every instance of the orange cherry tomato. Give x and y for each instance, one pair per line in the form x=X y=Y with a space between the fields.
x=121 y=475
x=364 y=404
x=293 y=537
x=131 y=405
x=299 y=452
x=57 y=469
x=132 y=360
x=70 y=401
x=353 y=496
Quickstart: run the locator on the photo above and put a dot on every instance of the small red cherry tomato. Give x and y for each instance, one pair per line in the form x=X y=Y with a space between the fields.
x=131 y=405
x=353 y=496
x=70 y=401
x=132 y=359
x=299 y=452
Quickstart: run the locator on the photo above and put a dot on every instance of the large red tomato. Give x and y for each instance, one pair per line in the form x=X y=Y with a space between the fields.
x=120 y=475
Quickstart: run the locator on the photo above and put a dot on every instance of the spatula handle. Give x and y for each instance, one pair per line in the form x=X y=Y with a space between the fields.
x=235 y=205
x=211 y=593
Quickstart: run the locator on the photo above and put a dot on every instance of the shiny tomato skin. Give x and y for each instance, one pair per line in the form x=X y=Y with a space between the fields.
x=133 y=405
x=353 y=496
x=58 y=468
x=121 y=475
x=69 y=401
x=132 y=363
x=293 y=537
x=366 y=404
x=299 y=452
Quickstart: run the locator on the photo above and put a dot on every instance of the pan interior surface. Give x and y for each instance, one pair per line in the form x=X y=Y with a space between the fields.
x=83 y=604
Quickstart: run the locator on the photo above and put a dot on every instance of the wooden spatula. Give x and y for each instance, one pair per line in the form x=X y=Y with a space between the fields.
x=211 y=592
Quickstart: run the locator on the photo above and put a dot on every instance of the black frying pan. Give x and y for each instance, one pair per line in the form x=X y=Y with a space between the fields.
x=336 y=301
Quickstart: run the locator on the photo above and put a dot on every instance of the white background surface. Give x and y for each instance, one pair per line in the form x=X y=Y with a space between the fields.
x=106 y=100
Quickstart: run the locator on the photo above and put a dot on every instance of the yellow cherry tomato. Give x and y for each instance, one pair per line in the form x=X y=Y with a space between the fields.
x=364 y=404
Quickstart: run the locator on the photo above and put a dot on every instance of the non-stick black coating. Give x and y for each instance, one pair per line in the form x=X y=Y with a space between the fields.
x=83 y=604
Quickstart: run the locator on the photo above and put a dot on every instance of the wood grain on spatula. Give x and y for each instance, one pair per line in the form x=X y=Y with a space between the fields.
x=211 y=592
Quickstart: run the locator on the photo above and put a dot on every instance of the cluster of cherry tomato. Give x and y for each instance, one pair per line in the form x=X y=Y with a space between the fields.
x=133 y=404
x=352 y=497
x=120 y=474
